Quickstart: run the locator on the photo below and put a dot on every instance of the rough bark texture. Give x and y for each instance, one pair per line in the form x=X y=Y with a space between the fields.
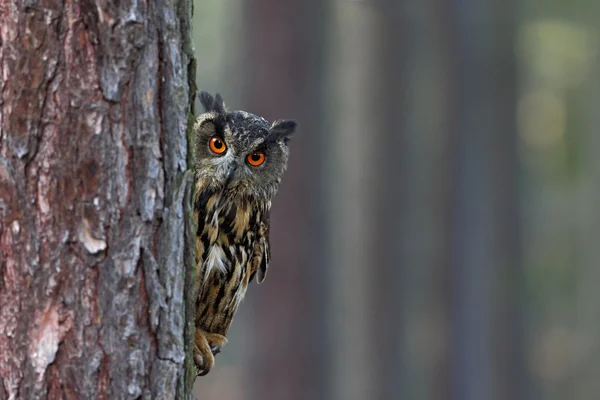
x=94 y=109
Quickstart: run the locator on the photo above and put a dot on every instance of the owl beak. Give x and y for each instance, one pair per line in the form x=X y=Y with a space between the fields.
x=231 y=175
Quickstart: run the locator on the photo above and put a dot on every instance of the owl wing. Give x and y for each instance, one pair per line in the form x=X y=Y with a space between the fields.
x=261 y=255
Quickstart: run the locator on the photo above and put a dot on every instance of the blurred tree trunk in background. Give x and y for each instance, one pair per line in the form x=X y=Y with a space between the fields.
x=586 y=347
x=94 y=108
x=385 y=203
x=282 y=65
x=354 y=111
x=487 y=353
x=439 y=115
x=415 y=156
x=410 y=300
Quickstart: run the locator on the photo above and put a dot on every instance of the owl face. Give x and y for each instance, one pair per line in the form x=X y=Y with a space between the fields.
x=238 y=152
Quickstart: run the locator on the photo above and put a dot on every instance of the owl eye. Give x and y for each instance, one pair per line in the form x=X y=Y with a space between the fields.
x=216 y=145
x=255 y=159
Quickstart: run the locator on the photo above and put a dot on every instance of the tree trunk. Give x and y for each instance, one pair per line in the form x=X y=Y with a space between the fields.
x=354 y=114
x=283 y=80
x=94 y=109
x=484 y=256
x=408 y=253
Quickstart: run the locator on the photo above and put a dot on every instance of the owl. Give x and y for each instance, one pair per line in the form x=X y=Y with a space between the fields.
x=240 y=160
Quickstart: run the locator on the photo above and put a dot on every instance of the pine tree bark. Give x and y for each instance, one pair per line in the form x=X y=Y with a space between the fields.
x=94 y=109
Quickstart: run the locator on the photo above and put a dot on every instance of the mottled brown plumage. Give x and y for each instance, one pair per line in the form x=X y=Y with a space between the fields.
x=240 y=161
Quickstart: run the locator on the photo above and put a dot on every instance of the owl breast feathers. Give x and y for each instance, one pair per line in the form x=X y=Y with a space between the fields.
x=240 y=160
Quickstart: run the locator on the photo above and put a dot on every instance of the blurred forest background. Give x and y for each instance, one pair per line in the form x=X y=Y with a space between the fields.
x=437 y=233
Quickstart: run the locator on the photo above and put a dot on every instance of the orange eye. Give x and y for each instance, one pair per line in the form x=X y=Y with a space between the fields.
x=255 y=159
x=217 y=145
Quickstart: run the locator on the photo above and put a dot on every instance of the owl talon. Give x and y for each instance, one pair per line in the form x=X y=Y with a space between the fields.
x=202 y=368
x=206 y=346
x=203 y=356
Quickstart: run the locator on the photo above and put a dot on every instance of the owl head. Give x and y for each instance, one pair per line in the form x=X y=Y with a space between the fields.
x=240 y=153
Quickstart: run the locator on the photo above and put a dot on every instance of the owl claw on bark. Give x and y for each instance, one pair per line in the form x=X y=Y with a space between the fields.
x=206 y=346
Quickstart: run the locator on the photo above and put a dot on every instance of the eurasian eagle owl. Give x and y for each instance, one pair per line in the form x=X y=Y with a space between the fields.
x=240 y=160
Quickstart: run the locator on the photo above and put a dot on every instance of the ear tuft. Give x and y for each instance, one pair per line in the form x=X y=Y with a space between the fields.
x=210 y=103
x=206 y=100
x=282 y=129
